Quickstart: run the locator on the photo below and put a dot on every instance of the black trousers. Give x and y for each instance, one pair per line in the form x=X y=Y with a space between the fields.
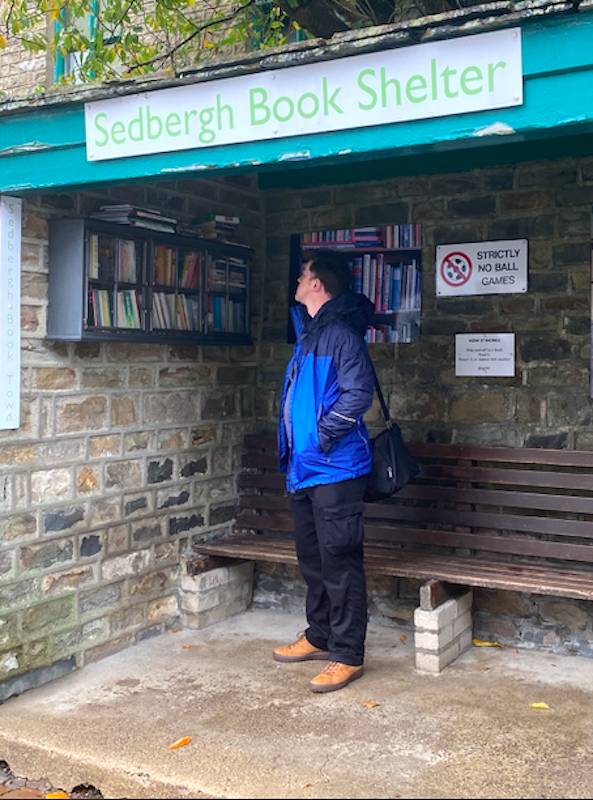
x=329 y=543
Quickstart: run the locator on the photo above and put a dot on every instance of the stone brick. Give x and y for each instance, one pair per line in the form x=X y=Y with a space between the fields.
x=88 y=480
x=63 y=581
x=127 y=618
x=573 y=614
x=138 y=440
x=17 y=527
x=123 y=566
x=9 y=633
x=54 y=378
x=171 y=407
x=90 y=545
x=146 y=530
x=62 y=520
x=221 y=514
x=159 y=471
x=17 y=594
x=103 y=378
x=103 y=511
x=100 y=599
x=173 y=440
x=108 y=648
x=7 y=562
x=136 y=504
x=51 y=484
x=394 y=213
x=163 y=608
x=182 y=524
x=101 y=446
x=123 y=475
x=13 y=455
x=50 y=616
x=151 y=583
x=219 y=406
x=479 y=406
x=165 y=499
x=46 y=555
x=87 y=414
x=550 y=174
x=123 y=411
x=195 y=375
x=166 y=552
x=192 y=465
x=475 y=206
x=117 y=539
x=141 y=377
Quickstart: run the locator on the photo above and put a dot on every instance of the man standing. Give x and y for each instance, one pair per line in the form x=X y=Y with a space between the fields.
x=326 y=455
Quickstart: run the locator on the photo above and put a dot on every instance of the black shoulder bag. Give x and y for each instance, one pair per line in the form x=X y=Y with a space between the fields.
x=393 y=464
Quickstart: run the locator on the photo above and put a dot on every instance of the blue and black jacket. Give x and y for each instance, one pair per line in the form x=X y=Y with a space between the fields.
x=331 y=386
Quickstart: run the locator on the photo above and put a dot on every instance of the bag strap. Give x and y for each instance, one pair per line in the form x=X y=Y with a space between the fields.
x=383 y=404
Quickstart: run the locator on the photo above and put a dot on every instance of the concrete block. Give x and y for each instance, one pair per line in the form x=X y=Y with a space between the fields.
x=437 y=618
x=462 y=623
x=217 y=577
x=464 y=603
x=436 y=662
x=434 y=640
x=205 y=618
x=465 y=641
x=195 y=602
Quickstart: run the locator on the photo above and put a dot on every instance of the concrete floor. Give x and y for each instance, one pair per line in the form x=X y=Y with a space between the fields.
x=258 y=731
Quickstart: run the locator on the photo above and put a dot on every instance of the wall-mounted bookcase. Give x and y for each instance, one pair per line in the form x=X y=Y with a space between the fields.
x=386 y=266
x=116 y=282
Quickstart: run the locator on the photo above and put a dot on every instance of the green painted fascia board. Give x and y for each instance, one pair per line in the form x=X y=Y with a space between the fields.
x=46 y=149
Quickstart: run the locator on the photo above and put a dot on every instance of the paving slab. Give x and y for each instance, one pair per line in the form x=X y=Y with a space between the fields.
x=258 y=732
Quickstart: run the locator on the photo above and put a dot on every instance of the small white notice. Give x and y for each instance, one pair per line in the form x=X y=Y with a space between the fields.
x=485 y=354
x=498 y=267
x=10 y=312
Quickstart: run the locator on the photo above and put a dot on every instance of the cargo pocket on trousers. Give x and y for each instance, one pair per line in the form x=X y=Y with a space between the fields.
x=343 y=527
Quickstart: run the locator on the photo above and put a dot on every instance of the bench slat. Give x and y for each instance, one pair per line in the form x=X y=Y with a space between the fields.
x=509 y=545
x=509 y=455
x=550 y=526
x=459 y=571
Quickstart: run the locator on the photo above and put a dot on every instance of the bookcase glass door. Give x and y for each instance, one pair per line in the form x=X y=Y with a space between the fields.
x=386 y=266
x=115 y=268
x=226 y=295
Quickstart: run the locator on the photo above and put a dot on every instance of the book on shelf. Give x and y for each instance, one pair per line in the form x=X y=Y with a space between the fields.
x=391 y=285
x=126 y=214
x=217 y=226
x=393 y=237
x=164 y=265
x=127 y=272
x=100 y=310
x=191 y=267
x=128 y=312
x=175 y=312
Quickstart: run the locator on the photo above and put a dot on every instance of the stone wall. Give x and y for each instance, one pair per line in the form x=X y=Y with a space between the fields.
x=126 y=454
x=546 y=404
x=549 y=203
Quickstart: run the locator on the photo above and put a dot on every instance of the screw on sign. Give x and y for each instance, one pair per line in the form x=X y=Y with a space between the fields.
x=456 y=269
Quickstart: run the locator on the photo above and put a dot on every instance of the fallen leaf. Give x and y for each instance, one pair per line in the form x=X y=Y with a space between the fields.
x=185 y=740
x=186 y=646
x=59 y=795
x=484 y=669
x=403 y=638
x=482 y=643
x=539 y=705
x=371 y=704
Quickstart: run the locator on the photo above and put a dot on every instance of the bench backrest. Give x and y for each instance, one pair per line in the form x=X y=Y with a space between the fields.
x=506 y=503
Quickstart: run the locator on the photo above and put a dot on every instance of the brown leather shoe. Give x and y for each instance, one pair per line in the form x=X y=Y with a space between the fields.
x=301 y=650
x=335 y=676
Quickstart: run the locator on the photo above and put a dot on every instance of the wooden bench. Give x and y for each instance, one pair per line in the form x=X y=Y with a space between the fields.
x=494 y=517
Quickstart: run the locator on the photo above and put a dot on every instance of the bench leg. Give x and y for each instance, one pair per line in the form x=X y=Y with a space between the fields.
x=443 y=633
x=216 y=594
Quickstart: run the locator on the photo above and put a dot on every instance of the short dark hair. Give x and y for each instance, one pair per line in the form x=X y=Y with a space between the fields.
x=332 y=270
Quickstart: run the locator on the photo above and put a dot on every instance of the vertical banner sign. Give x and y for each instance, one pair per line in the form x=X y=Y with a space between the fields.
x=10 y=312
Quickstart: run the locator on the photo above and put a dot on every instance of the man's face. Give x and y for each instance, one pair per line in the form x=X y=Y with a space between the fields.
x=307 y=284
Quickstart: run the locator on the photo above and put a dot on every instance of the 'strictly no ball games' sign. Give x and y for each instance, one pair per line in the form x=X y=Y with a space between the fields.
x=10 y=312
x=455 y=76
x=498 y=267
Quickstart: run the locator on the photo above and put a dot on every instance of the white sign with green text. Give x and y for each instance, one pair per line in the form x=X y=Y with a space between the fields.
x=455 y=76
x=10 y=312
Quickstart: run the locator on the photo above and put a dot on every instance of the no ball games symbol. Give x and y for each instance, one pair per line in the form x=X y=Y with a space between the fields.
x=456 y=269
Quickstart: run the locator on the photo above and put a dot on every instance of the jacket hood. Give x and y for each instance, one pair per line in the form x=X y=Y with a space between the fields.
x=352 y=308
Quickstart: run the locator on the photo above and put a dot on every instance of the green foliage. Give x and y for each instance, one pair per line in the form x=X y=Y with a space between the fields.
x=123 y=38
